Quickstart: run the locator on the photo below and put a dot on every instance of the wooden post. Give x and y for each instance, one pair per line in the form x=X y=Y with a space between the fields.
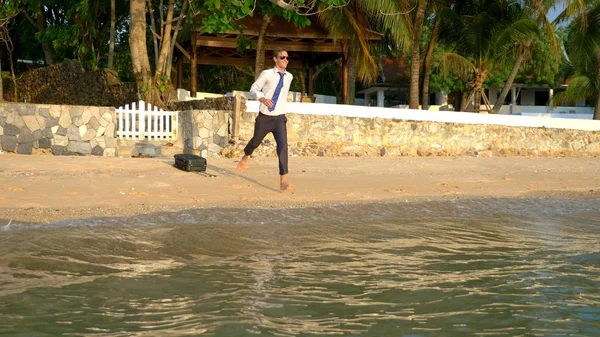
x=311 y=82
x=344 y=79
x=180 y=73
x=193 y=69
x=236 y=116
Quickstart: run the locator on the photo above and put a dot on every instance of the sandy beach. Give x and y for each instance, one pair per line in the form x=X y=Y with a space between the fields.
x=41 y=188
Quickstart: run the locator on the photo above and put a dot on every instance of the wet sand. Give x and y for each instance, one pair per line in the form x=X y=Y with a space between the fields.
x=42 y=188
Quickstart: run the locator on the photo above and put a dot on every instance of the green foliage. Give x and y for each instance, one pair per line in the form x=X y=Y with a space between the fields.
x=220 y=16
x=583 y=50
x=222 y=79
x=243 y=42
x=75 y=29
x=542 y=69
x=439 y=82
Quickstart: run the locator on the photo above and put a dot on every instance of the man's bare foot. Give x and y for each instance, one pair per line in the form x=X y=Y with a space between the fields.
x=242 y=164
x=284 y=185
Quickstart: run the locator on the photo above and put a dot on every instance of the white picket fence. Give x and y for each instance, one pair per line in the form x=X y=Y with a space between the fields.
x=146 y=121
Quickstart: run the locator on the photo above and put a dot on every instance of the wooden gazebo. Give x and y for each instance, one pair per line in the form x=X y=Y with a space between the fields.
x=308 y=48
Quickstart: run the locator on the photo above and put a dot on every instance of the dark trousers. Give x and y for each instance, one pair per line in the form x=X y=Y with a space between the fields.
x=277 y=125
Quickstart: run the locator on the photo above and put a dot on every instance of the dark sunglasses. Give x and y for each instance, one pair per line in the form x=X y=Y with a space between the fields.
x=284 y=57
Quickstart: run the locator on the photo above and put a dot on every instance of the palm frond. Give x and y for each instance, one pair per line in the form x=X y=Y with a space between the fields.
x=455 y=64
x=580 y=87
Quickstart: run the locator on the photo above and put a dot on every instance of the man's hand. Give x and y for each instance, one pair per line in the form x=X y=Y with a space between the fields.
x=266 y=101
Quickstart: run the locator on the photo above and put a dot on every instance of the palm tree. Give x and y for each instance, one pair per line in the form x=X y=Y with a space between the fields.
x=355 y=21
x=111 y=48
x=518 y=40
x=442 y=13
x=583 y=50
x=481 y=36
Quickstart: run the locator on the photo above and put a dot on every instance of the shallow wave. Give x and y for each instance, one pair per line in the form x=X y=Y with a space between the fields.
x=444 y=268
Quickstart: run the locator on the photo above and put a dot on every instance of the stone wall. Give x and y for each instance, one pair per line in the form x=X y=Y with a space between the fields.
x=312 y=135
x=205 y=132
x=208 y=131
x=206 y=126
x=59 y=129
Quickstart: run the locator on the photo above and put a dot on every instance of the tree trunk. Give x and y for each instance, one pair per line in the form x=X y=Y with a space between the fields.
x=597 y=107
x=259 y=63
x=344 y=75
x=165 y=45
x=477 y=88
x=111 y=47
x=1 y=84
x=46 y=46
x=153 y=28
x=351 y=78
x=508 y=84
x=174 y=39
x=465 y=100
x=477 y=100
x=139 y=53
x=429 y=60
x=413 y=102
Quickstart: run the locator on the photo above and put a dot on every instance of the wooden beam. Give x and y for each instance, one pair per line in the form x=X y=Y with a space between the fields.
x=242 y=62
x=345 y=77
x=308 y=46
x=311 y=82
x=179 y=78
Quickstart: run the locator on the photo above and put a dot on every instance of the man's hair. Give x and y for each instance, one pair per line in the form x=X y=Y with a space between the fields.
x=277 y=51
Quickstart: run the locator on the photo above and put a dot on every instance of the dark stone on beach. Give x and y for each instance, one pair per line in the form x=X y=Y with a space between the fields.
x=11 y=130
x=25 y=148
x=58 y=150
x=25 y=136
x=9 y=143
x=97 y=151
x=45 y=143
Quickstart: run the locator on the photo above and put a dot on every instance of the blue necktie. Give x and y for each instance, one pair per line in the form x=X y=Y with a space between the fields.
x=277 y=91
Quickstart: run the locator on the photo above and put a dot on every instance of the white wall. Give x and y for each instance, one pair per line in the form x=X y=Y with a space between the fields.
x=527 y=116
x=434 y=116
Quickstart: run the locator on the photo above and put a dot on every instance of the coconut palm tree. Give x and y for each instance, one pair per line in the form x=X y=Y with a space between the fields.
x=517 y=46
x=481 y=37
x=583 y=50
x=354 y=22
x=538 y=10
x=441 y=13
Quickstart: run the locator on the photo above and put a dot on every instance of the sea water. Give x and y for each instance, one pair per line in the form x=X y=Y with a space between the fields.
x=485 y=267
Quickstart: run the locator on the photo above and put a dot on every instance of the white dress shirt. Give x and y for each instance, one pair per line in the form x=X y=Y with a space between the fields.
x=265 y=85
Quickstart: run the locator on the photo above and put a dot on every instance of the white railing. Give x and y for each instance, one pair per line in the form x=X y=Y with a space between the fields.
x=146 y=121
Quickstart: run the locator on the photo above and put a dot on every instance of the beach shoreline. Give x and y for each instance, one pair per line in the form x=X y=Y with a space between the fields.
x=42 y=188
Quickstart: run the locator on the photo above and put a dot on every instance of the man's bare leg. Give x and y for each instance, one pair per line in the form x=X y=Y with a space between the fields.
x=242 y=164
x=283 y=184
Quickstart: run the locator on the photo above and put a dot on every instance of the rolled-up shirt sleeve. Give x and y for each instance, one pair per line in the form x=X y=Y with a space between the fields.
x=258 y=85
